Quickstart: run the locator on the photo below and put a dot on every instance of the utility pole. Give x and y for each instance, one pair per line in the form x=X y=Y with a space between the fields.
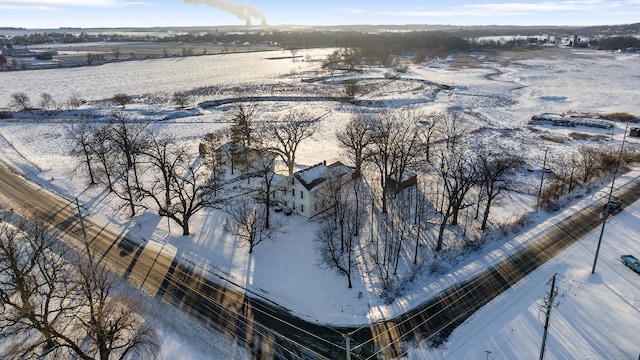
x=606 y=207
x=544 y=168
x=84 y=231
x=548 y=305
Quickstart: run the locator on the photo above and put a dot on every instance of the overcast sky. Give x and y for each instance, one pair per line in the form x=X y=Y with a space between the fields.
x=145 y=13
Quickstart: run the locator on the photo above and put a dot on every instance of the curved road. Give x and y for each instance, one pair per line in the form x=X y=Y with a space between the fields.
x=267 y=330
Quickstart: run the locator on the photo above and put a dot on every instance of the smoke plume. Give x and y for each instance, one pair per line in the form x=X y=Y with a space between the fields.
x=242 y=11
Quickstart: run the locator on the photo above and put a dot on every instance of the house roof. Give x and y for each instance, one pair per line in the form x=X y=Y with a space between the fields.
x=317 y=175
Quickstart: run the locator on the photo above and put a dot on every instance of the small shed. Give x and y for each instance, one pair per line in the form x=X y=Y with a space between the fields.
x=634 y=131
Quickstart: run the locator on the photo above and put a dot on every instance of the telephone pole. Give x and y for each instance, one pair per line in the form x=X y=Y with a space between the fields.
x=544 y=168
x=548 y=305
x=84 y=231
x=605 y=213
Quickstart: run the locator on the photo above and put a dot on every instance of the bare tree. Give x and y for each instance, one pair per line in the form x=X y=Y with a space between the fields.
x=121 y=99
x=263 y=164
x=36 y=289
x=127 y=187
x=384 y=136
x=452 y=128
x=387 y=248
x=247 y=222
x=495 y=166
x=189 y=188
x=335 y=252
x=20 y=101
x=352 y=58
x=459 y=173
x=71 y=302
x=102 y=148
x=396 y=146
x=565 y=174
x=420 y=56
x=46 y=101
x=213 y=150
x=81 y=138
x=430 y=125
x=588 y=162
x=286 y=135
x=420 y=213
x=180 y=99
x=294 y=51
x=74 y=101
x=354 y=139
x=110 y=322
x=164 y=156
x=129 y=139
x=338 y=232
x=351 y=88
x=332 y=62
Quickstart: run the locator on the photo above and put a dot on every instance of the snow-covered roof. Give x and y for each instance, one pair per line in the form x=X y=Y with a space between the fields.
x=317 y=175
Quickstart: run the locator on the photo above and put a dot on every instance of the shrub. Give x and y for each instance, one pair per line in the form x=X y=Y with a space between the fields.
x=583 y=136
x=20 y=101
x=620 y=116
x=554 y=139
x=180 y=99
x=121 y=99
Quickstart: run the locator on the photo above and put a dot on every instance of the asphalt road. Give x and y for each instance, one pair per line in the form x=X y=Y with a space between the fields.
x=266 y=329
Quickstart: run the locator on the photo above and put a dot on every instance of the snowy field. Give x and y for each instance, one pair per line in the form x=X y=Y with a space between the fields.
x=498 y=94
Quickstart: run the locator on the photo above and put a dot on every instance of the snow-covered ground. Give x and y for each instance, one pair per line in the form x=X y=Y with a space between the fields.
x=595 y=316
x=499 y=94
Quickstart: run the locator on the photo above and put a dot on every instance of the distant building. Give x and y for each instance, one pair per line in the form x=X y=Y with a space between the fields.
x=308 y=191
x=24 y=52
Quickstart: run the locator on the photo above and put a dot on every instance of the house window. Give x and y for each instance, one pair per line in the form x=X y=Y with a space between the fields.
x=293 y=206
x=293 y=192
x=293 y=181
x=301 y=207
x=301 y=194
x=315 y=207
x=284 y=191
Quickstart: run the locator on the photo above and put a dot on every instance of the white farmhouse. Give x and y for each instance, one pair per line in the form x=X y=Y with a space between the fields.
x=307 y=192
